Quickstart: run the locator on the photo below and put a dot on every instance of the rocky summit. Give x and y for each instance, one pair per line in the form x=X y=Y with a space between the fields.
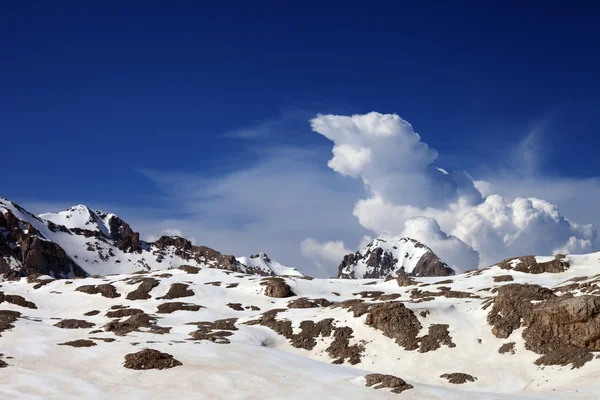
x=89 y=310
x=392 y=258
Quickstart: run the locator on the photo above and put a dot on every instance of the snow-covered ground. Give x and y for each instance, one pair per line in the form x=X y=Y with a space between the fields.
x=259 y=363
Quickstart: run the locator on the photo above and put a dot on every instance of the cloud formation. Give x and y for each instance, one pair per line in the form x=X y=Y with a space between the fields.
x=459 y=218
x=324 y=254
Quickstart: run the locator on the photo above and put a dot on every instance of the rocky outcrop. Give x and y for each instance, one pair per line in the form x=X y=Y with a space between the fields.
x=150 y=359
x=530 y=265
x=23 y=252
x=276 y=287
x=430 y=265
x=393 y=258
x=382 y=381
x=564 y=330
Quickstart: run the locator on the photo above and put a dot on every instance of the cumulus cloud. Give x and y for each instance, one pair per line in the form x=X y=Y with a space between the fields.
x=324 y=254
x=462 y=220
x=152 y=237
x=449 y=248
x=497 y=228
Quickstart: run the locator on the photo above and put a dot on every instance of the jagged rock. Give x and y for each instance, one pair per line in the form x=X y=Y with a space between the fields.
x=393 y=258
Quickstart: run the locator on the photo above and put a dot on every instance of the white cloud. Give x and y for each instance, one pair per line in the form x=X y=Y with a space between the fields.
x=457 y=217
x=324 y=255
x=449 y=248
x=497 y=228
x=152 y=237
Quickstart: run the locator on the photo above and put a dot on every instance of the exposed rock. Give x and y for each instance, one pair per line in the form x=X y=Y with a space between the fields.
x=106 y=290
x=73 y=324
x=437 y=336
x=16 y=300
x=303 y=302
x=134 y=323
x=512 y=304
x=143 y=290
x=404 y=281
x=276 y=287
x=150 y=359
x=92 y=313
x=107 y=340
x=379 y=260
x=341 y=350
x=418 y=294
x=529 y=264
x=235 y=306
x=458 y=378
x=168 y=308
x=507 y=348
x=565 y=330
x=381 y=381
x=79 y=343
x=216 y=331
x=177 y=290
x=7 y=317
x=124 y=312
x=430 y=265
x=309 y=331
x=396 y=321
x=190 y=269
x=503 y=278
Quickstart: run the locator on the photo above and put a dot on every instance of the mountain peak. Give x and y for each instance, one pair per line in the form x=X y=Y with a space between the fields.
x=393 y=257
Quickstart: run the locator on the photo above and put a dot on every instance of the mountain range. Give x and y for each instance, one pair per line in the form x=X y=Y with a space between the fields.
x=89 y=310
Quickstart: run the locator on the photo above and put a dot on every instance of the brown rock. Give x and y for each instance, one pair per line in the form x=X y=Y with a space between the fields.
x=74 y=324
x=16 y=300
x=458 y=378
x=396 y=321
x=276 y=287
x=190 y=269
x=168 y=308
x=134 y=323
x=507 y=348
x=79 y=343
x=529 y=264
x=106 y=290
x=124 y=312
x=387 y=381
x=150 y=359
x=178 y=290
x=143 y=290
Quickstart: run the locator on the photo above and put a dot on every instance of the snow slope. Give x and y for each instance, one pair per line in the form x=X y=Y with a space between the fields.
x=261 y=362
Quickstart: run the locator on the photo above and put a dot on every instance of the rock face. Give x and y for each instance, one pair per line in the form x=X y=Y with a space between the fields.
x=531 y=265
x=80 y=241
x=564 y=330
x=393 y=258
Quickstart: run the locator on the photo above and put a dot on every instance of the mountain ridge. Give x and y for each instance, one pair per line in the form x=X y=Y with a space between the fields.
x=79 y=241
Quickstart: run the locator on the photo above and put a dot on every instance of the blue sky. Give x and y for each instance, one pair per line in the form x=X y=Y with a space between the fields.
x=147 y=109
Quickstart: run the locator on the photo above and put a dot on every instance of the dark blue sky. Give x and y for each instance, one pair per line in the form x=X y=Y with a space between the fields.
x=92 y=94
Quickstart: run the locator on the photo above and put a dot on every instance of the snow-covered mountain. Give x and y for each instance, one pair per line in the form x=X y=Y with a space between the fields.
x=383 y=258
x=81 y=242
x=526 y=328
